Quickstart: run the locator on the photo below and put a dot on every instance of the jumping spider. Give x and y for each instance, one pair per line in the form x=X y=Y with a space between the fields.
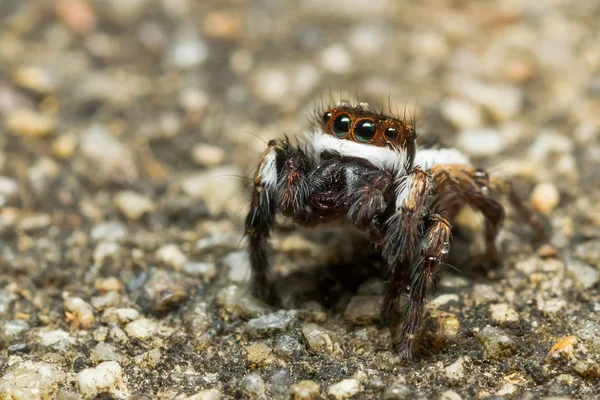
x=364 y=167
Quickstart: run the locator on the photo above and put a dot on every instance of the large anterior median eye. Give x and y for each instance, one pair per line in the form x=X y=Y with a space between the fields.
x=365 y=130
x=341 y=125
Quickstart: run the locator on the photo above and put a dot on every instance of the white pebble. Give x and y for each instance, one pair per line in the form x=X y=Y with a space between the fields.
x=189 y=54
x=133 y=205
x=461 y=114
x=81 y=313
x=142 y=328
x=503 y=313
x=171 y=255
x=106 y=377
x=208 y=156
x=545 y=197
x=455 y=372
x=344 y=389
x=336 y=59
x=481 y=142
x=49 y=338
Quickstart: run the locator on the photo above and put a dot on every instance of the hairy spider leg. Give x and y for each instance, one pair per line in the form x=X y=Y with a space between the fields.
x=423 y=277
x=405 y=230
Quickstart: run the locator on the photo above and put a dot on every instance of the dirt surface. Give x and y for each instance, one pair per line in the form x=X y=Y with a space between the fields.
x=129 y=129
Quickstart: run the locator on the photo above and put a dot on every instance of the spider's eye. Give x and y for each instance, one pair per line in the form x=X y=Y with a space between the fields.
x=391 y=133
x=365 y=130
x=341 y=125
x=326 y=117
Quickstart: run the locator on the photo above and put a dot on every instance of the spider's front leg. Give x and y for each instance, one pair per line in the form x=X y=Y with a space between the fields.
x=279 y=184
x=403 y=232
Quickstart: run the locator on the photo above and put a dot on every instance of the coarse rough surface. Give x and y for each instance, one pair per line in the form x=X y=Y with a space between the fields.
x=128 y=132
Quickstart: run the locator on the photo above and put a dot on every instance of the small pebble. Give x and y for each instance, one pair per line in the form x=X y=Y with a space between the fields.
x=30 y=123
x=35 y=78
x=208 y=394
x=363 y=310
x=585 y=275
x=305 y=390
x=106 y=352
x=218 y=188
x=171 y=255
x=563 y=348
x=253 y=385
x=189 y=53
x=259 y=353
x=447 y=327
x=64 y=146
x=336 y=59
x=454 y=374
x=483 y=294
x=238 y=266
x=208 y=156
x=142 y=328
x=80 y=314
x=108 y=284
x=344 y=389
x=207 y=270
x=271 y=323
x=495 y=343
x=503 y=314
x=163 y=291
x=545 y=197
x=48 y=338
x=109 y=299
x=14 y=328
x=461 y=114
x=106 y=377
x=78 y=15
x=317 y=338
x=26 y=380
x=502 y=101
x=481 y=142
x=450 y=395
x=238 y=301
x=133 y=205
x=223 y=25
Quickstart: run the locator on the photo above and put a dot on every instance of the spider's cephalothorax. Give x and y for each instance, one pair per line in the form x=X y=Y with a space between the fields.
x=364 y=167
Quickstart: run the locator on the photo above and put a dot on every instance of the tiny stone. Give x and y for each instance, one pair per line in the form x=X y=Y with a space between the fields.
x=107 y=352
x=106 y=377
x=503 y=102
x=208 y=156
x=8 y=189
x=270 y=323
x=133 y=205
x=454 y=374
x=108 y=284
x=239 y=302
x=363 y=310
x=253 y=386
x=100 y=334
x=481 y=142
x=461 y=114
x=442 y=300
x=149 y=359
x=550 y=307
x=545 y=197
x=30 y=123
x=238 y=266
x=118 y=335
x=483 y=294
x=503 y=314
x=31 y=380
x=208 y=394
x=171 y=255
x=305 y=390
x=187 y=54
x=217 y=188
x=288 y=346
x=259 y=353
x=109 y=299
x=14 y=328
x=34 y=78
x=495 y=343
x=120 y=315
x=585 y=275
x=318 y=339
x=447 y=327
x=64 y=146
x=336 y=59
x=450 y=395
x=207 y=270
x=110 y=231
x=223 y=25
x=563 y=348
x=163 y=291
x=142 y=328
x=398 y=391
x=81 y=313
x=547 y=251
x=344 y=389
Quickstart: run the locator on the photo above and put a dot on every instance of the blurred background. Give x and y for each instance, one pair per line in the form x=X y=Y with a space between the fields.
x=129 y=129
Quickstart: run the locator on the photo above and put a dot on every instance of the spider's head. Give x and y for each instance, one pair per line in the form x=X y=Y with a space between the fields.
x=362 y=125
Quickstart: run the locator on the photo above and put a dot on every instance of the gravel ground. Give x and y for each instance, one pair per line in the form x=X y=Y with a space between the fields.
x=128 y=128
